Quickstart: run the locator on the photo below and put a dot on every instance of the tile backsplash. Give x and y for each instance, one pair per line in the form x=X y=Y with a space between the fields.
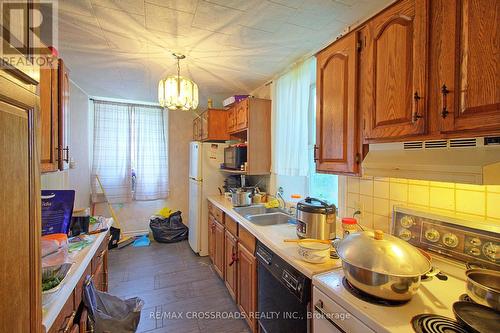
x=375 y=198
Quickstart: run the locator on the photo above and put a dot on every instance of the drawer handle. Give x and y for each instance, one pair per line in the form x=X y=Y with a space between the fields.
x=416 y=115
x=70 y=322
x=319 y=308
x=110 y=237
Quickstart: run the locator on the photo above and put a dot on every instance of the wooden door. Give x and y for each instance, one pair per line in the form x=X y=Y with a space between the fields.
x=242 y=115
x=470 y=66
x=231 y=120
x=211 y=238
x=49 y=111
x=231 y=258
x=337 y=122
x=395 y=85
x=219 y=249
x=247 y=284
x=20 y=275
x=197 y=129
x=64 y=91
x=204 y=125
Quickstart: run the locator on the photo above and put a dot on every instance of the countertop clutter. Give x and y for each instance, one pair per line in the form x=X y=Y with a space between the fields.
x=82 y=261
x=273 y=237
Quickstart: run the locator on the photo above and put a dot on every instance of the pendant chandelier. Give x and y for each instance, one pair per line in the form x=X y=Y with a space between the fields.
x=176 y=92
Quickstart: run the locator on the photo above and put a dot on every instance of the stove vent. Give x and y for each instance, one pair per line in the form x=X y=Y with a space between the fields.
x=461 y=143
x=413 y=145
x=436 y=144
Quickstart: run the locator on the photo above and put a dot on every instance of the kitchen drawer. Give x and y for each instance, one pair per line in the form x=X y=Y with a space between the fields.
x=98 y=258
x=247 y=239
x=231 y=225
x=66 y=316
x=79 y=286
x=327 y=319
x=216 y=212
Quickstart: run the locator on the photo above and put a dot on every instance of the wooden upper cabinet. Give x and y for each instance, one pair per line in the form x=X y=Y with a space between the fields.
x=242 y=115
x=470 y=66
x=49 y=114
x=231 y=120
x=338 y=140
x=214 y=125
x=394 y=50
x=197 y=129
x=64 y=91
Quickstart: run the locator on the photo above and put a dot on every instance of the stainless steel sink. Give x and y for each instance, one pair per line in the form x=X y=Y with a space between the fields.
x=269 y=219
x=256 y=210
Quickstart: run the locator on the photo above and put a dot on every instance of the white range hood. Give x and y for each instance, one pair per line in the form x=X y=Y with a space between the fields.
x=470 y=161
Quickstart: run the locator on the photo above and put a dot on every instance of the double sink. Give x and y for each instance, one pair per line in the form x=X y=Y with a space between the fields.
x=262 y=216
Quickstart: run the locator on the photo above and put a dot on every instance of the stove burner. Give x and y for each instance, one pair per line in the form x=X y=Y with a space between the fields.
x=465 y=298
x=428 y=323
x=367 y=297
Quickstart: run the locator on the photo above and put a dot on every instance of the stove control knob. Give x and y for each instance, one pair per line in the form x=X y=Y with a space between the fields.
x=407 y=221
x=450 y=240
x=432 y=235
x=405 y=234
x=492 y=251
x=475 y=241
x=474 y=251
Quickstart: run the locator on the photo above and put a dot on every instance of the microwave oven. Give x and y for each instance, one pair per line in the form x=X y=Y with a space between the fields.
x=235 y=157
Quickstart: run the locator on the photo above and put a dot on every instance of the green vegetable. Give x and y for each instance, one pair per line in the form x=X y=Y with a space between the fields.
x=50 y=283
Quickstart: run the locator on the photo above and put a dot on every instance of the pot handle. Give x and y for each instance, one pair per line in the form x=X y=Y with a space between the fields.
x=324 y=203
x=473 y=265
x=336 y=242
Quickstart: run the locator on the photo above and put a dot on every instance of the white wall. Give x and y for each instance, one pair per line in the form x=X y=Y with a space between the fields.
x=78 y=178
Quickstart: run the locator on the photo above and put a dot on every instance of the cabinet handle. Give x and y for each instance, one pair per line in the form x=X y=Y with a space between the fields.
x=319 y=308
x=416 y=115
x=70 y=322
x=101 y=254
x=234 y=257
x=67 y=154
x=444 y=92
x=316 y=147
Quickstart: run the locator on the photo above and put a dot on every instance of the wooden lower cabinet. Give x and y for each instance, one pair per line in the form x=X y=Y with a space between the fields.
x=219 y=249
x=247 y=285
x=230 y=260
x=66 y=316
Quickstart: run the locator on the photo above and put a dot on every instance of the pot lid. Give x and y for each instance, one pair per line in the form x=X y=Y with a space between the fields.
x=382 y=253
x=313 y=205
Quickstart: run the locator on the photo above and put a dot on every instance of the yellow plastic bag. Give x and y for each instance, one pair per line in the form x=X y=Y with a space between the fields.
x=165 y=212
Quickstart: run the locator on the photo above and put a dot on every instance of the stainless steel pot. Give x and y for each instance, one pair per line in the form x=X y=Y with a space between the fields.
x=483 y=287
x=242 y=196
x=382 y=265
x=316 y=219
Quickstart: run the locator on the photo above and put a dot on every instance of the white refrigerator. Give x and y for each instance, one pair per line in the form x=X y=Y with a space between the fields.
x=205 y=178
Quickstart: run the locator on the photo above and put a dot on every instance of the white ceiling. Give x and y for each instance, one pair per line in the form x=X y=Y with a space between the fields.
x=121 y=48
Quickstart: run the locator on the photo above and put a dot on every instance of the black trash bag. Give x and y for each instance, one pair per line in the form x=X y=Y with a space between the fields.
x=168 y=230
x=109 y=313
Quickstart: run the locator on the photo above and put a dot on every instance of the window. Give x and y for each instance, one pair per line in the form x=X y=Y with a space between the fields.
x=294 y=127
x=130 y=151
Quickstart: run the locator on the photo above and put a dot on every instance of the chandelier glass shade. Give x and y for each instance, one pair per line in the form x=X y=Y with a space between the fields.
x=176 y=92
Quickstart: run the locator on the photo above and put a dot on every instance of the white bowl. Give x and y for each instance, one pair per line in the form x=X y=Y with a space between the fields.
x=315 y=253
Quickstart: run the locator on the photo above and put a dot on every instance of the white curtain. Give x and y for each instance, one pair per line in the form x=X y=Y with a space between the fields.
x=291 y=120
x=130 y=142
x=150 y=153
x=111 y=158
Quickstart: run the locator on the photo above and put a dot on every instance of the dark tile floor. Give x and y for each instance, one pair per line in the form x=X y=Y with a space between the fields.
x=176 y=286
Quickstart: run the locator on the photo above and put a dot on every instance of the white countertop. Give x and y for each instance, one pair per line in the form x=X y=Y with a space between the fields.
x=273 y=237
x=80 y=260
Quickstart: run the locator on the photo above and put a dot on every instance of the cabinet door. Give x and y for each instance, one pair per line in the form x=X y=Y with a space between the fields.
x=20 y=275
x=471 y=70
x=197 y=129
x=219 y=249
x=231 y=120
x=231 y=257
x=338 y=138
x=204 y=125
x=49 y=119
x=247 y=284
x=242 y=115
x=396 y=52
x=63 y=116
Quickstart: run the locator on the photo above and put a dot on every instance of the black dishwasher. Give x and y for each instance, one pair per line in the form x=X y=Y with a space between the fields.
x=284 y=294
